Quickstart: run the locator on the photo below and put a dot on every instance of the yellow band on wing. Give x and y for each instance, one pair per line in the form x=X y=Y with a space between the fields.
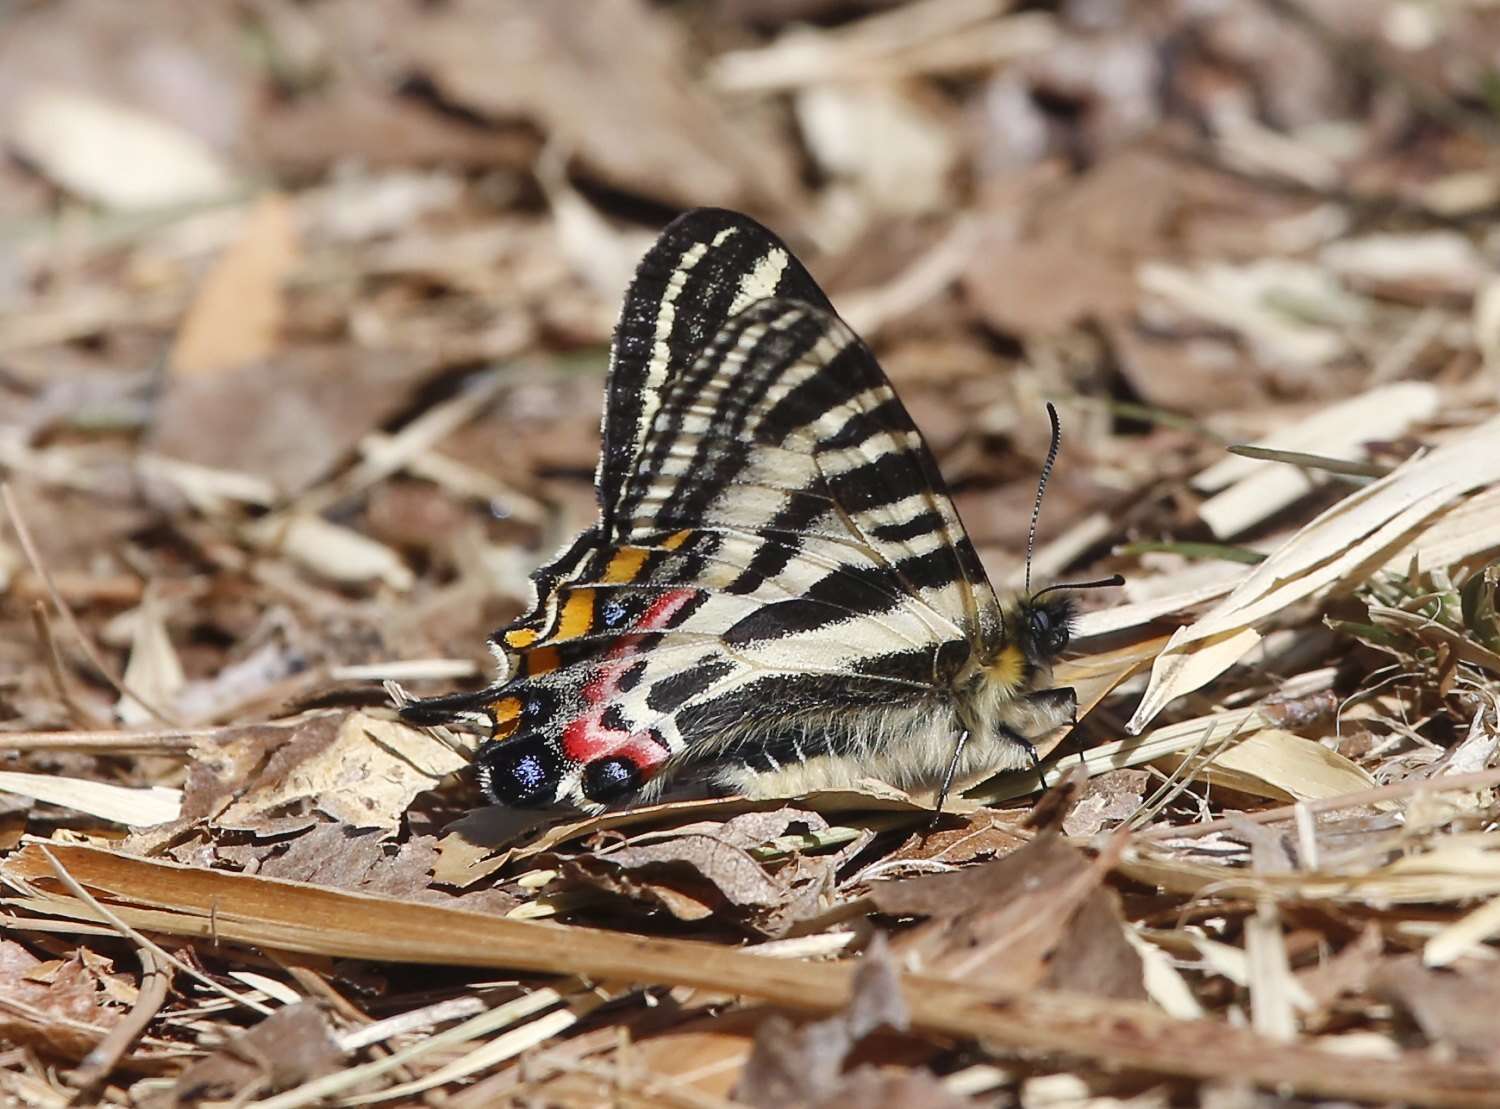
x=625 y=564
x=519 y=638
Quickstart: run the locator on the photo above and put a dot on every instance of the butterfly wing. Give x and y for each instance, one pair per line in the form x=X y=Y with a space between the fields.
x=777 y=565
x=707 y=266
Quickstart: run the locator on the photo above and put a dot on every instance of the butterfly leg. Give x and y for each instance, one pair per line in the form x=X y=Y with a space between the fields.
x=1056 y=706
x=1036 y=762
x=958 y=752
x=1052 y=708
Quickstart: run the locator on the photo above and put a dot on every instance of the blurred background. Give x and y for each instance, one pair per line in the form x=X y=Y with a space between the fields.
x=305 y=307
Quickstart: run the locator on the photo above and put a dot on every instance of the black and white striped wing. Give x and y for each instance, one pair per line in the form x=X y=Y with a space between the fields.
x=707 y=266
x=777 y=564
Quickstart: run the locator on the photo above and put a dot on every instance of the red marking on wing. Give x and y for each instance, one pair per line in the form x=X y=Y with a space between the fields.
x=586 y=737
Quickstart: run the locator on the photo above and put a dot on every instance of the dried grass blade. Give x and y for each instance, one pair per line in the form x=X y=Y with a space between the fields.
x=1342 y=546
x=289 y=915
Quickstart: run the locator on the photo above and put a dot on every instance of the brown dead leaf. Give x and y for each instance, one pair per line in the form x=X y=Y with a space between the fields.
x=985 y=834
x=802 y=1066
x=478 y=843
x=57 y=1008
x=1092 y=955
x=362 y=860
x=1452 y=1005
x=867 y=1087
x=353 y=120
x=361 y=769
x=1007 y=922
x=747 y=830
x=220 y=769
x=707 y=1053
x=1107 y=799
x=942 y=896
x=1196 y=374
x=349 y=858
x=288 y=421
x=60 y=988
x=698 y=874
x=635 y=118
x=1042 y=286
x=237 y=314
x=1349 y=970
x=289 y=1047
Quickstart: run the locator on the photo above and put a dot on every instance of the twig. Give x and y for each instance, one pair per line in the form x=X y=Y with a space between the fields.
x=1120 y=1033
x=99 y=1063
x=77 y=890
x=1477 y=780
x=28 y=547
x=78 y=712
x=114 y=742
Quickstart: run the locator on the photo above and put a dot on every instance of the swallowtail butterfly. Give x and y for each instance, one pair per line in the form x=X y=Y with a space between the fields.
x=778 y=594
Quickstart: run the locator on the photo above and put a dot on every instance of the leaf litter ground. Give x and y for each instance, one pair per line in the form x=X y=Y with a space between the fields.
x=291 y=410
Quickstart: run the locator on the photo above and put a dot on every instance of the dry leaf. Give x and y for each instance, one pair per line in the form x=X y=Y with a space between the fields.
x=1276 y=764
x=695 y=874
x=1107 y=800
x=287 y=1048
x=1094 y=955
x=879 y=137
x=288 y=421
x=802 y=1065
x=115 y=155
x=1254 y=300
x=332 y=551
x=635 y=118
x=996 y=923
x=136 y=807
x=153 y=671
x=1451 y=1008
x=1340 y=547
x=236 y=318
x=1257 y=490
x=365 y=774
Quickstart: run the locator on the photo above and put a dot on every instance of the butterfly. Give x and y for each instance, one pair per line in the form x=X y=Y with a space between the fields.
x=778 y=594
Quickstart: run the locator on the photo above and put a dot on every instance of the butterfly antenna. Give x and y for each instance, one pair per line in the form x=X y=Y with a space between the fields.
x=1041 y=487
x=1102 y=583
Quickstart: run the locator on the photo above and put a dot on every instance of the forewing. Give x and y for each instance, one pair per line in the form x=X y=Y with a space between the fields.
x=785 y=433
x=707 y=266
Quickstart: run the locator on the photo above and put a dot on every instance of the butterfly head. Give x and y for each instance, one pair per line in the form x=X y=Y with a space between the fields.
x=1035 y=633
x=1045 y=625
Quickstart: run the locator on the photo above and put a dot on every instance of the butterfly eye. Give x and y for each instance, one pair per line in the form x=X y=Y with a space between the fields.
x=1049 y=631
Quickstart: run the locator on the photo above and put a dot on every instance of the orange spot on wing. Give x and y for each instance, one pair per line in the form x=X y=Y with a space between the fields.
x=577 y=615
x=543 y=660
x=625 y=564
x=677 y=539
x=507 y=714
x=520 y=637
